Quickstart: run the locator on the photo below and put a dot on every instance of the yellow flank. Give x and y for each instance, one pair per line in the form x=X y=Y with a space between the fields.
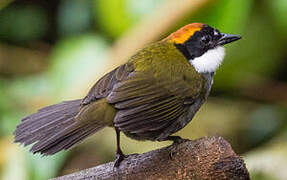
x=184 y=33
x=99 y=112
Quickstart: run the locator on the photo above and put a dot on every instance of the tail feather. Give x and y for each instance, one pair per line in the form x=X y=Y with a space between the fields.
x=64 y=142
x=47 y=118
x=50 y=115
x=54 y=128
x=50 y=142
x=46 y=132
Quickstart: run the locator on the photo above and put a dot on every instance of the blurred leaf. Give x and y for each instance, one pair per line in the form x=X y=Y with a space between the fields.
x=74 y=16
x=112 y=15
x=116 y=16
x=29 y=23
x=137 y=8
x=228 y=16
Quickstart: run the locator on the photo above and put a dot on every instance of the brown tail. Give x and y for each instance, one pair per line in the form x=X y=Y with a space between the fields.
x=54 y=128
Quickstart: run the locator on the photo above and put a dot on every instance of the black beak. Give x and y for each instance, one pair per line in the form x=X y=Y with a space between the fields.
x=227 y=38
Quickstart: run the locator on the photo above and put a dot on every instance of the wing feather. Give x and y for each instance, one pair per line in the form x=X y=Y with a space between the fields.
x=144 y=104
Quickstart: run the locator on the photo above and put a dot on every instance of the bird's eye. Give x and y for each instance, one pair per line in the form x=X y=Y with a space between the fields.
x=205 y=39
x=217 y=34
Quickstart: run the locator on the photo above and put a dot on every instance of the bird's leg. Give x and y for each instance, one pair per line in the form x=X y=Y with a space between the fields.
x=119 y=154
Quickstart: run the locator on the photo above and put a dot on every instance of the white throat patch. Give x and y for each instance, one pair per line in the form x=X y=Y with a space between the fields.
x=209 y=61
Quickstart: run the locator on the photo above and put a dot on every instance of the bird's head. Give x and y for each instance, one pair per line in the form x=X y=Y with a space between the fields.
x=202 y=45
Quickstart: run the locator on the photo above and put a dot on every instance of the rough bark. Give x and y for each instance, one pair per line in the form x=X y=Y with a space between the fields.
x=205 y=158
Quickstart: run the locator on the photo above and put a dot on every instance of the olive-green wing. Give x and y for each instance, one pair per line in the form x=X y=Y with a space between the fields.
x=144 y=103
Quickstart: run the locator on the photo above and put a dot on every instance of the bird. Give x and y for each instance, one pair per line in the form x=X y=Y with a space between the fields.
x=154 y=94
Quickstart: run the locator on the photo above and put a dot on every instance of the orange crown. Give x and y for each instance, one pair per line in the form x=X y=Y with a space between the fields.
x=184 y=33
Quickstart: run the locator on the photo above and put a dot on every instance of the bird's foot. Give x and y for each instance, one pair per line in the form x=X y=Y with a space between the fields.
x=172 y=152
x=176 y=140
x=119 y=158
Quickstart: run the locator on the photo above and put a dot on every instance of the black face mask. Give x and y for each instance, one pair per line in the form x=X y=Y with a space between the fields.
x=202 y=41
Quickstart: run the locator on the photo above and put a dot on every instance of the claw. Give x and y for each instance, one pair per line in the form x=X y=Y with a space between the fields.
x=176 y=140
x=172 y=152
x=119 y=158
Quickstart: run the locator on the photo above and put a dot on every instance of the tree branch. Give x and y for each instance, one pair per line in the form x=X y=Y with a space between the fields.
x=205 y=158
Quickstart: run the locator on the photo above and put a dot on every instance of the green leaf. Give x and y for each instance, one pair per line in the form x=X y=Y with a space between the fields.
x=226 y=15
x=22 y=24
x=75 y=16
x=113 y=16
x=116 y=16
